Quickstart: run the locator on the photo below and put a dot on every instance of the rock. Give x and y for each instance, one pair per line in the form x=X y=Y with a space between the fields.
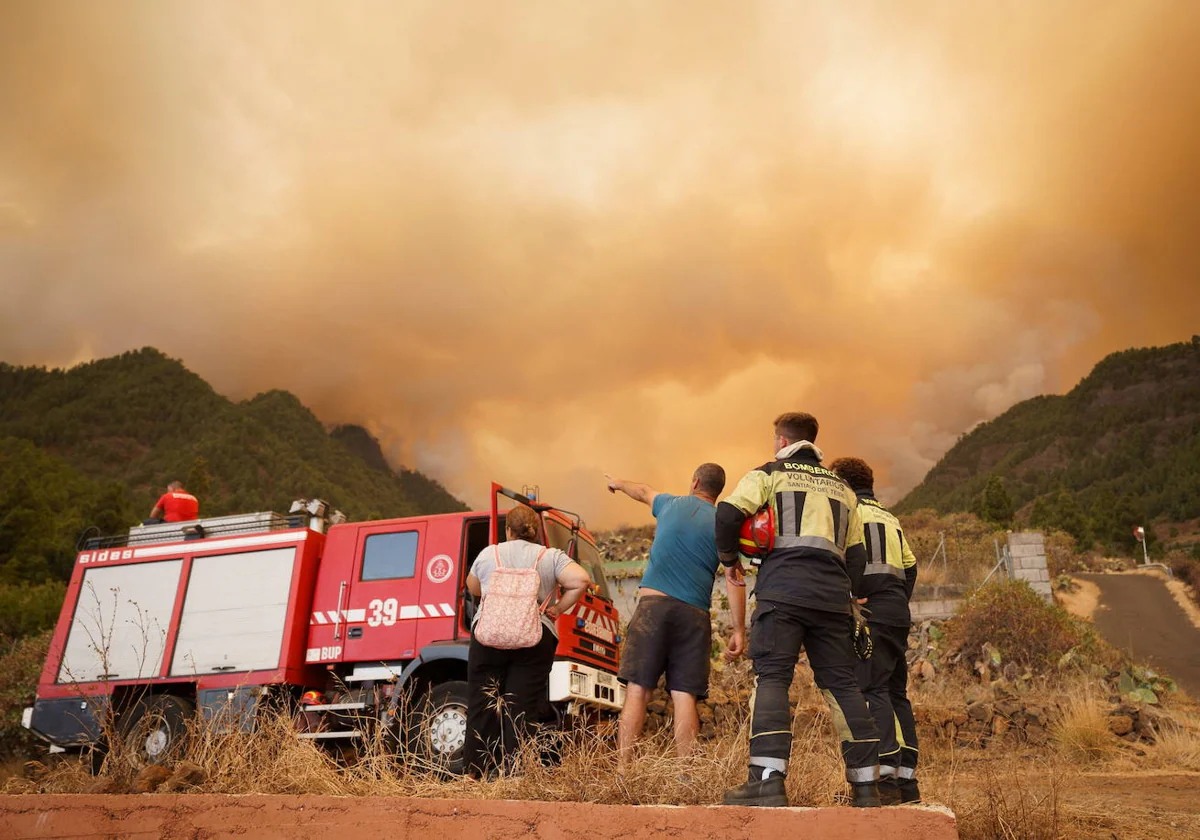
x=1000 y=726
x=1150 y=717
x=1009 y=708
x=958 y=718
x=1037 y=735
x=148 y=780
x=34 y=770
x=1120 y=724
x=105 y=785
x=980 y=711
x=187 y=775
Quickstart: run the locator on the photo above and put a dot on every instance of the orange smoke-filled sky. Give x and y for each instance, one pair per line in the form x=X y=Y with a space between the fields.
x=538 y=241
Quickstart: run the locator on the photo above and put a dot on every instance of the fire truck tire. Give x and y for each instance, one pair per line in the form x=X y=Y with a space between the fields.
x=441 y=727
x=156 y=727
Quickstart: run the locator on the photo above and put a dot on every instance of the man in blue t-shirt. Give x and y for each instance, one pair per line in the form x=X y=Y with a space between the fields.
x=670 y=631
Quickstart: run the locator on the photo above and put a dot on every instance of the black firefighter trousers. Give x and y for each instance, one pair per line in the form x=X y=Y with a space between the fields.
x=778 y=631
x=884 y=682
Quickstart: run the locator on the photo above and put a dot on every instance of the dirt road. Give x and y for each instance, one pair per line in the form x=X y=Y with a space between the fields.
x=1139 y=615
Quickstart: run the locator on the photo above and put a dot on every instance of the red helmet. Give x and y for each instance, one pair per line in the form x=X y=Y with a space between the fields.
x=758 y=535
x=311 y=698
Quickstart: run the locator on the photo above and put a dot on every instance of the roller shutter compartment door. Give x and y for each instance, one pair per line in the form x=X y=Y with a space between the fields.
x=120 y=624
x=233 y=612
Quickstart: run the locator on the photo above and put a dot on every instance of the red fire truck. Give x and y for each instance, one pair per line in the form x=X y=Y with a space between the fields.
x=231 y=614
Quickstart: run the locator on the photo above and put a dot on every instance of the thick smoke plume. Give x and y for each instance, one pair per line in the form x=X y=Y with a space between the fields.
x=538 y=241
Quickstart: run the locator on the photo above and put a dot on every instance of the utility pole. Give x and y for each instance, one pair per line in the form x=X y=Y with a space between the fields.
x=1140 y=533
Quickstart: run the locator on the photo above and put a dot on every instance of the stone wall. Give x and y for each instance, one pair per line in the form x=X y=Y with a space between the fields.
x=1027 y=550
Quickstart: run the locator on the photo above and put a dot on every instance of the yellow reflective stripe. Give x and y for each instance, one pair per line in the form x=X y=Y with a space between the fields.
x=775 y=732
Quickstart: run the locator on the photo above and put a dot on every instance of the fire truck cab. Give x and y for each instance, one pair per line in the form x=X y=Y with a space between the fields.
x=230 y=614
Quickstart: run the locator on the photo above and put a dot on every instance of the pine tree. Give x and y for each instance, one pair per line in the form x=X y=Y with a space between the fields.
x=1068 y=516
x=199 y=480
x=994 y=504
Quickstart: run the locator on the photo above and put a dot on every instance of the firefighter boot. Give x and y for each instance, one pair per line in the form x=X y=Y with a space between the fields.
x=864 y=795
x=889 y=790
x=909 y=791
x=763 y=793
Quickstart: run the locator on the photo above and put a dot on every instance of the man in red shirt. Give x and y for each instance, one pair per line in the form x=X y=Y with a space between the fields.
x=176 y=505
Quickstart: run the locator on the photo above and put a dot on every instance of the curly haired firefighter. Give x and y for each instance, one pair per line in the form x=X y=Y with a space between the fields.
x=887 y=585
x=803 y=592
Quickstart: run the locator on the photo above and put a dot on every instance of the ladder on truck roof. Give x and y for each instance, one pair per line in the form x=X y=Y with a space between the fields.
x=213 y=526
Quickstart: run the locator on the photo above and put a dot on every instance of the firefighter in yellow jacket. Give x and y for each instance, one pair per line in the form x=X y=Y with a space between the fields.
x=886 y=585
x=804 y=601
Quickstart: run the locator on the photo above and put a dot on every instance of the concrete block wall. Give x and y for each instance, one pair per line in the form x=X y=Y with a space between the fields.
x=1027 y=549
x=933 y=608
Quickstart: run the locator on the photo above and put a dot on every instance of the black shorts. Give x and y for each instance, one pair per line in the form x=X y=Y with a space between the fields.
x=668 y=636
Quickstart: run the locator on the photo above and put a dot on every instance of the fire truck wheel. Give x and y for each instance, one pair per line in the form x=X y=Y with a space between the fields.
x=155 y=728
x=443 y=726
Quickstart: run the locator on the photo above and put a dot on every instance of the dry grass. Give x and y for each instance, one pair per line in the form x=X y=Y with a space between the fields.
x=271 y=760
x=1082 y=734
x=1009 y=798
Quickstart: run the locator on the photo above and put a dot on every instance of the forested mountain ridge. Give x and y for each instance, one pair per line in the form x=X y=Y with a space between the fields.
x=1121 y=448
x=95 y=445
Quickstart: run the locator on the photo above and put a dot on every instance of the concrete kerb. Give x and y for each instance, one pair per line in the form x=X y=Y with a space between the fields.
x=269 y=817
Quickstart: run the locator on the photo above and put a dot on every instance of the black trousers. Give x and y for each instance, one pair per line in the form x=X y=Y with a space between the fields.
x=506 y=690
x=778 y=631
x=884 y=682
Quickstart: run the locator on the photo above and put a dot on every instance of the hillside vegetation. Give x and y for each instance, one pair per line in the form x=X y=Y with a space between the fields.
x=94 y=445
x=1120 y=449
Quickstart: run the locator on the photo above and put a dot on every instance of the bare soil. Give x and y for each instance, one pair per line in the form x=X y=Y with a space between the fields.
x=1081 y=603
x=1140 y=615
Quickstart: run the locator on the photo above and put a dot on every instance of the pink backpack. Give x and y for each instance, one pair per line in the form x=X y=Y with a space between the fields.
x=509 y=614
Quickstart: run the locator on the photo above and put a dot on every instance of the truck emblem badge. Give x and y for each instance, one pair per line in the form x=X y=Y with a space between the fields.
x=440 y=569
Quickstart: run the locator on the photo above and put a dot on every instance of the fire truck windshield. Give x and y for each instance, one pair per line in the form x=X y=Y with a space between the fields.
x=584 y=553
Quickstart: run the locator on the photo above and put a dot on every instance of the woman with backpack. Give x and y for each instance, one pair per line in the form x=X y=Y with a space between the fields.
x=513 y=637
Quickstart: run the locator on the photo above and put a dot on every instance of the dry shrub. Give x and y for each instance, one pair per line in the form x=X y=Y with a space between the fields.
x=21 y=662
x=1025 y=629
x=1012 y=803
x=970 y=547
x=1081 y=734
